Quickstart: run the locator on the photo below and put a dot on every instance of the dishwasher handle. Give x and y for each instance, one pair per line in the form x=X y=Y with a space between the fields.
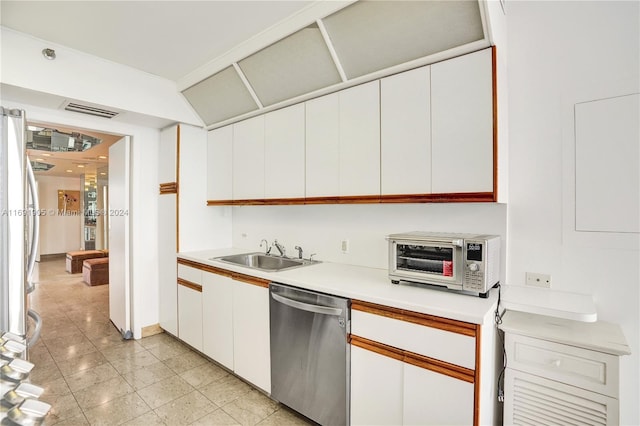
x=317 y=309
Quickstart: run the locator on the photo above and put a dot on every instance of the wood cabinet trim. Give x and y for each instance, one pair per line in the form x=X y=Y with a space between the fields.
x=189 y=284
x=168 y=188
x=476 y=383
x=435 y=365
x=249 y=279
x=494 y=84
x=445 y=324
x=177 y=188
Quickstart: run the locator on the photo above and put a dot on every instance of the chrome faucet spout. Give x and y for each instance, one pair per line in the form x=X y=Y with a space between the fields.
x=280 y=248
x=299 y=251
x=267 y=249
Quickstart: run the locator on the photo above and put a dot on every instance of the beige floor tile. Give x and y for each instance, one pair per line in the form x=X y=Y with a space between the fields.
x=117 y=411
x=225 y=390
x=63 y=351
x=185 y=361
x=43 y=374
x=164 y=351
x=164 y=391
x=79 y=420
x=251 y=408
x=91 y=376
x=204 y=374
x=62 y=407
x=57 y=387
x=186 y=409
x=102 y=392
x=127 y=348
x=147 y=419
x=142 y=377
x=81 y=362
x=284 y=416
x=157 y=339
x=217 y=418
x=134 y=361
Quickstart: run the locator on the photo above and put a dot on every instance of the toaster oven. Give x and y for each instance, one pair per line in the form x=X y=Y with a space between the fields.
x=464 y=262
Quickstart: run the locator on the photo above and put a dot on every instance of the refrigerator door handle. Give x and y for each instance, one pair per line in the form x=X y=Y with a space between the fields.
x=35 y=232
x=38 y=328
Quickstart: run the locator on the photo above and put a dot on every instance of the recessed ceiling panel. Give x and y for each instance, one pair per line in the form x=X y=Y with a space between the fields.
x=369 y=36
x=219 y=97
x=293 y=66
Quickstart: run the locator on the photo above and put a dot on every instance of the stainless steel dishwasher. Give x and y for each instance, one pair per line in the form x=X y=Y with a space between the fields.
x=309 y=353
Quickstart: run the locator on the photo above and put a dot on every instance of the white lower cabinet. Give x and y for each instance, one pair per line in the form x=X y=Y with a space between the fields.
x=190 y=306
x=376 y=388
x=251 y=350
x=217 y=318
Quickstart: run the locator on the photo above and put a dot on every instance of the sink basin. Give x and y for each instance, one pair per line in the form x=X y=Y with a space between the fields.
x=264 y=262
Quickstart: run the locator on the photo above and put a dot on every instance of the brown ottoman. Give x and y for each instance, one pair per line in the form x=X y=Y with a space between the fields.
x=75 y=259
x=96 y=271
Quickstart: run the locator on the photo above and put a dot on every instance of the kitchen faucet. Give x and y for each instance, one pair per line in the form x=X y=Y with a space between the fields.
x=280 y=248
x=266 y=246
x=299 y=251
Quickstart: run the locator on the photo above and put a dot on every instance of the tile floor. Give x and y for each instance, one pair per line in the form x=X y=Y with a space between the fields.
x=92 y=376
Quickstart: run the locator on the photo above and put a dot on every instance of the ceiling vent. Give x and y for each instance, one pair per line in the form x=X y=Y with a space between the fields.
x=90 y=110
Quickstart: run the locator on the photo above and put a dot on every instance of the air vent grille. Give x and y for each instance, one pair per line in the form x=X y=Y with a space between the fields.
x=90 y=110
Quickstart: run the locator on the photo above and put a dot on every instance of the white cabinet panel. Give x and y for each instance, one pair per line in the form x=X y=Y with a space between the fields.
x=167 y=272
x=432 y=398
x=360 y=140
x=376 y=388
x=190 y=316
x=248 y=159
x=323 y=146
x=168 y=149
x=251 y=351
x=462 y=124
x=219 y=164
x=217 y=318
x=405 y=132
x=608 y=165
x=284 y=153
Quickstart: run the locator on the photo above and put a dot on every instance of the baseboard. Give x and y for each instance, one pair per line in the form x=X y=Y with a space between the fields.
x=53 y=256
x=150 y=330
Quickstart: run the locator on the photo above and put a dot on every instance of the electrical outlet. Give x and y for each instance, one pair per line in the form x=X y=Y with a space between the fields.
x=538 y=280
x=344 y=246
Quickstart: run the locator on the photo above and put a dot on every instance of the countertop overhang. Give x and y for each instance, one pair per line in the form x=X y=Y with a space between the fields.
x=365 y=284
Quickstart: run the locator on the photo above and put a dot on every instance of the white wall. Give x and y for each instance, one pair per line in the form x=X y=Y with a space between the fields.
x=144 y=212
x=58 y=233
x=561 y=53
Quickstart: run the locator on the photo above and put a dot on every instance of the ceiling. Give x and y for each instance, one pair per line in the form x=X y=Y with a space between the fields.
x=166 y=38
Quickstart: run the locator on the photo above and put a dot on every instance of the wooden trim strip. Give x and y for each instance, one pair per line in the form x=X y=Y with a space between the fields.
x=462 y=197
x=189 y=284
x=494 y=83
x=441 y=367
x=151 y=330
x=177 y=188
x=250 y=280
x=445 y=324
x=476 y=382
x=168 y=188
x=206 y=268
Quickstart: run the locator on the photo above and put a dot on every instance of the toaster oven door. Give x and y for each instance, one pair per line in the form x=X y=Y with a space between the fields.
x=432 y=262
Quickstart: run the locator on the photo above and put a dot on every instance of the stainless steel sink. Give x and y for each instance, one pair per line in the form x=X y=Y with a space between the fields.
x=264 y=262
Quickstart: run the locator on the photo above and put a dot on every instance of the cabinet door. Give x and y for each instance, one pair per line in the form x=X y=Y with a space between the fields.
x=248 y=159
x=284 y=153
x=251 y=351
x=167 y=272
x=432 y=398
x=376 y=388
x=405 y=132
x=190 y=316
x=462 y=124
x=168 y=148
x=360 y=140
x=217 y=318
x=219 y=164
x=323 y=146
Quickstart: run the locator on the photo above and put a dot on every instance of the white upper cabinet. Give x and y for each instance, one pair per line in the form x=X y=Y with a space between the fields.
x=167 y=165
x=323 y=146
x=248 y=159
x=359 y=129
x=462 y=124
x=284 y=153
x=405 y=132
x=219 y=164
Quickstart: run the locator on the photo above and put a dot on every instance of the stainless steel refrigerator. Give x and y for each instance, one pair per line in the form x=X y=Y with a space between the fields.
x=19 y=228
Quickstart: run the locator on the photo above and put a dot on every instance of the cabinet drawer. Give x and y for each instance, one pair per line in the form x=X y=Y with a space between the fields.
x=591 y=370
x=432 y=342
x=190 y=274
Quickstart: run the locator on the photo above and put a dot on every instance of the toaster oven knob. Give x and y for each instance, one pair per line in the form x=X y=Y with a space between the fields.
x=473 y=267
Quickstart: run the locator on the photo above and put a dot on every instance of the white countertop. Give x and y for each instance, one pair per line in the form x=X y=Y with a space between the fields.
x=366 y=284
x=600 y=336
